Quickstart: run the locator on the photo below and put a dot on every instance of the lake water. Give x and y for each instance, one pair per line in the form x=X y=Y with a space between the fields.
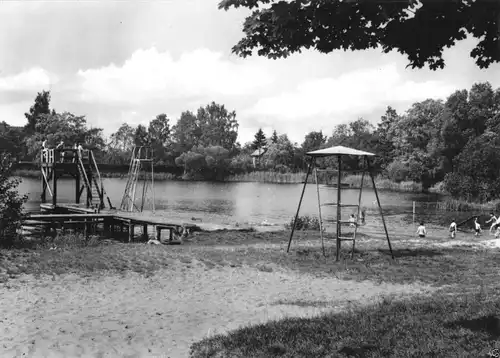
x=242 y=203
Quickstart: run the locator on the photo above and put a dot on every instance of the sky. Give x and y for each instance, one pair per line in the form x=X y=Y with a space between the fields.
x=123 y=61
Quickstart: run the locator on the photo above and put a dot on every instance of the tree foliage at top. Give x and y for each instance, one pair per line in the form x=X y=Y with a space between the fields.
x=274 y=137
x=213 y=125
x=313 y=141
x=420 y=30
x=159 y=130
x=66 y=127
x=39 y=108
x=259 y=140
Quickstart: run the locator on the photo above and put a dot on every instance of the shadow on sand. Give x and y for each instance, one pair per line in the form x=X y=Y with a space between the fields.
x=411 y=253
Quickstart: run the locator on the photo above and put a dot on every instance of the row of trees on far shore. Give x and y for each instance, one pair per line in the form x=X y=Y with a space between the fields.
x=455 y=142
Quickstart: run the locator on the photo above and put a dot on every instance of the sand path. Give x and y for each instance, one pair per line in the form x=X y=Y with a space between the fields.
x=161 y=315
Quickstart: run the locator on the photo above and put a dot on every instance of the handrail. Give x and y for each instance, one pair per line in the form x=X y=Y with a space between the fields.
x=98 y=174
x=103 y=191
x=131 y=161
x=82 y=168
x=47 y=154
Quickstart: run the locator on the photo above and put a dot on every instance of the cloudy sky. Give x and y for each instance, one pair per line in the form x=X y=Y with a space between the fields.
x=124 y=61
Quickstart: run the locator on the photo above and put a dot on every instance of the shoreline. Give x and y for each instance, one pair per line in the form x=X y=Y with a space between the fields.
x=268 y=177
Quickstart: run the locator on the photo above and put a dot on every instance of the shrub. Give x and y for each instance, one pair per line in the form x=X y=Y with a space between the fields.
x=397 y=171
x=11 y=203
x=304 y=223
x=460 y=186
x=438 y=188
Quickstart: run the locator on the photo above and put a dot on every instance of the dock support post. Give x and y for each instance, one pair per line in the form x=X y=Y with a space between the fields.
x=130 y=232
x=85 y=229
x=62 y=226
x=145 y=232
x=106 y=227
x=43 y=195
x=77 y=187
x=54 y=185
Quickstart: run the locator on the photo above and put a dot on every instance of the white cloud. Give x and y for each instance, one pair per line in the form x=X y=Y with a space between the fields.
x=33 y=79
x=322 y=103
x=13 y=113
x=348 y=95
x=150 y=75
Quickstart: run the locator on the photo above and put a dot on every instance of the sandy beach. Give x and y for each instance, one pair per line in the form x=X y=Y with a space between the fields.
x=162 y=315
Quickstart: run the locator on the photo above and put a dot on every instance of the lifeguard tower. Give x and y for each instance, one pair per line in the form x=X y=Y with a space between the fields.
x=339 y=220
x=82 y=167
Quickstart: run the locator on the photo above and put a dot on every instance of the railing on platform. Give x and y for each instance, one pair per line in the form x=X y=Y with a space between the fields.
x=85 y=161
x=142 y=153
x=62 y=155
x=48 y=156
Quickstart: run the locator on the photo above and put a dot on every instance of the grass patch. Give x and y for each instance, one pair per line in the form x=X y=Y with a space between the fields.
x=439 y=326
x=265 y=252
x=459 y=320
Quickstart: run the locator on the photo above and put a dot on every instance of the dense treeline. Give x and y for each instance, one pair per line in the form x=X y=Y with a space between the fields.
x=453 y=143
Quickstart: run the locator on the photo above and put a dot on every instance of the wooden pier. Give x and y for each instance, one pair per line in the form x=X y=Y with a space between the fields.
x=95 y=216
x=64 y=218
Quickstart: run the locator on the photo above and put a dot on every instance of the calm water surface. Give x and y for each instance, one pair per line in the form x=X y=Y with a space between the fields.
x=230 y=203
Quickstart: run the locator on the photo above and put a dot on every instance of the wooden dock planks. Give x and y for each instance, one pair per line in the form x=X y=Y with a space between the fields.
x=60 y=217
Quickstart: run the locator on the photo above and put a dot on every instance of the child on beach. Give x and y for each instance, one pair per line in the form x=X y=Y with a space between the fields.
x=493 y=221
x=477 y=227
x=421 y=232
x=497 y=227
x=453 y=229
x=352 y=221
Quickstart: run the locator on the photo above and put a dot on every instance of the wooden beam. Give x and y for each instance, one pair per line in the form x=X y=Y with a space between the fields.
x=339 y=189
x=66 y=216
x=300 y=202
x=130 y=232
x=78 y=192
x=54 y=186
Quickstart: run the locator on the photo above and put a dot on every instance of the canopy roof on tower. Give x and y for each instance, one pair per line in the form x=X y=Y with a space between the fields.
x=337 y=150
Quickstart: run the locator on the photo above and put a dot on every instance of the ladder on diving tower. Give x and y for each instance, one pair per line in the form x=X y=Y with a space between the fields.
x=92 y=180
x=82 y=166
x=141 y=162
